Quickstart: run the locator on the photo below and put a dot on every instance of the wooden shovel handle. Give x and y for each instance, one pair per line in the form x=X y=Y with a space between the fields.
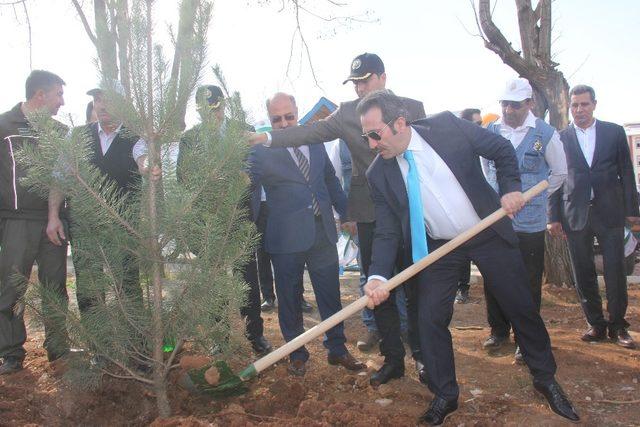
x=395 y=281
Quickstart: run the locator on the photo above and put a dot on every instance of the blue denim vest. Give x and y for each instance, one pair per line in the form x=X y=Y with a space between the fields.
x=533 y=169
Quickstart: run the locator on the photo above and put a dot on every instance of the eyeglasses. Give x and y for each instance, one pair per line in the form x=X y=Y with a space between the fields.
x=287 y=117
x=516 y=105
x=375 y=134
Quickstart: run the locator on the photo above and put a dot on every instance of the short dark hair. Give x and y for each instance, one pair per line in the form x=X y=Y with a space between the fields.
x=389 y=104
x=468 y=113
x=41 y=79
x=580 y=89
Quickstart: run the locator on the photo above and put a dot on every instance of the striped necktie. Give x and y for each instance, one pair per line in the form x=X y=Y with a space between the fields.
x=419 y=247
x=303 y=164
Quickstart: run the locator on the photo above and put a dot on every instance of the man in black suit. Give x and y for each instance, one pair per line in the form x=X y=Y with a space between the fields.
x=596 y=199
x=211 y=105
x=427 y=186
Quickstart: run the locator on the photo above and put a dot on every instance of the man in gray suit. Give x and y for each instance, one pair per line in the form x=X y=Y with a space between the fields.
x=367 y=74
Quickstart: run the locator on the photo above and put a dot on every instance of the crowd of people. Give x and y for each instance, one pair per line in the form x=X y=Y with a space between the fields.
x=416 y=183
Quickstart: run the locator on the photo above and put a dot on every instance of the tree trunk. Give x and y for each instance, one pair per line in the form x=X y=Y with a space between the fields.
x=557 y=264
x=106 y=41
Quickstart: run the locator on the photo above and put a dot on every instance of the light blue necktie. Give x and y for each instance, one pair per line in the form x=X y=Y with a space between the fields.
x=419 y=248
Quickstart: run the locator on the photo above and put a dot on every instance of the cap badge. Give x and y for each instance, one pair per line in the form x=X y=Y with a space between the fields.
x=512 y=86
x=356 y=64
x=208 y=93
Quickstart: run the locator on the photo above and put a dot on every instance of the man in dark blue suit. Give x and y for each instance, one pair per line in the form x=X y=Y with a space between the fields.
x=427 y=186
x=597 y=197
x=302 y=188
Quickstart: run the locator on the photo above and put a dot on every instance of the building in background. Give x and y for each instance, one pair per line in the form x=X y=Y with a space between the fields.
x=633 y=138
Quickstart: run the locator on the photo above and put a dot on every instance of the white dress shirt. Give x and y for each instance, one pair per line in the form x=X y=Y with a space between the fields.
x=587 y=140
x=106 y=139
x=446 y=208
x=554 y=154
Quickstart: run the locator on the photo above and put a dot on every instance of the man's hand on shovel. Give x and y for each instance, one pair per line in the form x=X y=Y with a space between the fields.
x=512 y=203
x=376 y=291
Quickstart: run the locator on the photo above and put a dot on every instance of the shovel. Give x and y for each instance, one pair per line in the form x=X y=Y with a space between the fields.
x=230 y=384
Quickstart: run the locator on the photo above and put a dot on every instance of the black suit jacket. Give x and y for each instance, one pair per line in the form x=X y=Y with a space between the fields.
x=460 y=144
x=610 y=176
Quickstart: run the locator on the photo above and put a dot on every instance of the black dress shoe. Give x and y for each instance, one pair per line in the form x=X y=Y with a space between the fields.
x=268 y=305
x=622 y=338
x=305 y=306
x=558 y=401
x=422 y=372
x=261 y=346
x=347 y=361
x=386 y=373
x=438 y=411
x=494 y=341
x=10 y=365
x=55 y=355
x=594 y=334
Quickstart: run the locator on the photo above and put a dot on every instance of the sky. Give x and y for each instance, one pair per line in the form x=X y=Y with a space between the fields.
x=428 y=47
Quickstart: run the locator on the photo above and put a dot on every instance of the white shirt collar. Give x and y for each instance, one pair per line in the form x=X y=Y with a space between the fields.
x=100 y=130
x=529 y=122
x=591 y=127
x=415 y=143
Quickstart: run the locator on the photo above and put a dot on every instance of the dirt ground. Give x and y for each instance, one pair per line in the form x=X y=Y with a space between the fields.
x=602 y=380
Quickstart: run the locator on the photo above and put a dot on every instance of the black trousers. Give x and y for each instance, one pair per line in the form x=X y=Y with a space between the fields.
x=611 y=241
x=251 y=310
x=89 y=274
x=386 y=314
x=265 y=275
x=502 y=267
x=23 y=243
x=465 y=277
x=532 y=249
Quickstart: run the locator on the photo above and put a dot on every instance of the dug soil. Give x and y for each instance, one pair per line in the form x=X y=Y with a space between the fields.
x=602 y=380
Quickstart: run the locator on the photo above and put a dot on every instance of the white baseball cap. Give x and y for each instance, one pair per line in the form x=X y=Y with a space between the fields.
x=517 y=89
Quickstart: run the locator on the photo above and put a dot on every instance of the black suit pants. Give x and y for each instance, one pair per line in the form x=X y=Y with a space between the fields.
x=386 y=314
x=265 y=274
x=611 y=241
x=502 y=267
x=251 y=310
x=532 y=249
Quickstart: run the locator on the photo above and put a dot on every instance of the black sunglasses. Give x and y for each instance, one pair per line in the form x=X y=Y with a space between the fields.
x=375 y=134
x=516 y=105
x=287 y=117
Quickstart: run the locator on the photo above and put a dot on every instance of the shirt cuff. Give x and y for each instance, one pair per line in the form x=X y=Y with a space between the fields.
x=376 y=277
x=267 y=143
x=139 y=149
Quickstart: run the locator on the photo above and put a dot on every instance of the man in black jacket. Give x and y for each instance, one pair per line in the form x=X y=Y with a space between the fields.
x=428 y=187
x=114 y=151
x=597 y=197
x=23 y=221
x=211 y=103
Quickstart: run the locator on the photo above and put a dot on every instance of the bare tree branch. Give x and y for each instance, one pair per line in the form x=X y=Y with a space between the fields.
x=85 y=23
x=26 y=15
